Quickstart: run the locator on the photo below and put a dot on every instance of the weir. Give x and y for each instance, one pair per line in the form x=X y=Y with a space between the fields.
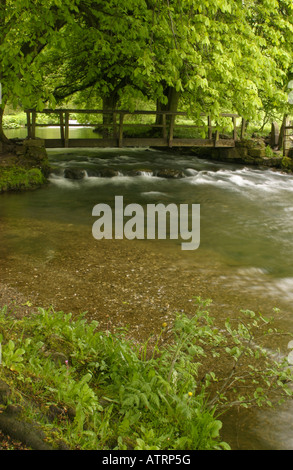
x=117 y=128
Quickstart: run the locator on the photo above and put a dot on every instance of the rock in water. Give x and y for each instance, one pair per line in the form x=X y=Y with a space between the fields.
x=108 y=173
x=74 y=173
x=170 y=173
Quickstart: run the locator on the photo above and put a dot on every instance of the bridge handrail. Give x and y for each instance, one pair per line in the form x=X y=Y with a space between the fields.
x=287 y=129
x=167 y=123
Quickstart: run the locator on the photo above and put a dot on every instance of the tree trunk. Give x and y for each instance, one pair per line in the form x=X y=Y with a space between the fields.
x=109 y=104
x=5 y=143
x=3 y=137
x=172 y=104
x=281 y=135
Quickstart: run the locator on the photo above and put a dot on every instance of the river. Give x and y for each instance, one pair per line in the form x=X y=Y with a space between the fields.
x=244 y=261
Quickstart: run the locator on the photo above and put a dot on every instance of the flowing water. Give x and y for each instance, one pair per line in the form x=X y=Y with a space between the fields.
x=244 y=261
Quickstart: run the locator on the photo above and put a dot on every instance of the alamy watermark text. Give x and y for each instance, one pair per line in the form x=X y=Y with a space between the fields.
x=136 y=222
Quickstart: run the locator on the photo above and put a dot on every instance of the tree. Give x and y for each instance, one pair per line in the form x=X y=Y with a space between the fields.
x=276 y=42
x=229 y=55
x=26 y=27
x=225 y=55
x=99 y=59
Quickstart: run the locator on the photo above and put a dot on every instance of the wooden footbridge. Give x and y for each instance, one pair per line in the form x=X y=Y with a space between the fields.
x=165 y=129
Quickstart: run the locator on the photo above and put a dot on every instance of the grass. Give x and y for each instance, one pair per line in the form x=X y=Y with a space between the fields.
x=98 y=390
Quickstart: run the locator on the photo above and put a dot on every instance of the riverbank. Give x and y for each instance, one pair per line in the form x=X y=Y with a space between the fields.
x=23 y=166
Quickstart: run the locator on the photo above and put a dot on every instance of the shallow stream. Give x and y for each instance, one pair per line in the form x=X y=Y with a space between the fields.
x=244 y=261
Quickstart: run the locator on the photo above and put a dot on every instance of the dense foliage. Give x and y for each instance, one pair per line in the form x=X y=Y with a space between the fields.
x=225 y=55
x=221 y=55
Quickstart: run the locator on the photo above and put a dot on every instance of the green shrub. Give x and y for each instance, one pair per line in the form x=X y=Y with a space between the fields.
x=269 y=151
x=14 y=121
x=287 y=163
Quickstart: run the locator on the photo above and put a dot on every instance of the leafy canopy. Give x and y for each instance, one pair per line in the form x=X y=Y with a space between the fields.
x=26 y=28
x=225 y=55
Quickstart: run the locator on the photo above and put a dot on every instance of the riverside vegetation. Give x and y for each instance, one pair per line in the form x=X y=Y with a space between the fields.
x=24 y=165
x=92 y=389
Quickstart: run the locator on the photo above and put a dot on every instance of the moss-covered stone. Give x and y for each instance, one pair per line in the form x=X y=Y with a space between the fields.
x=275 y=161
x=287 y=163
x=237 y=154
x=24 y=165
x=257 y=152
x=34 y=155
x=18 y=178
x=247 y=152
x=250 y=143
x=170 y=173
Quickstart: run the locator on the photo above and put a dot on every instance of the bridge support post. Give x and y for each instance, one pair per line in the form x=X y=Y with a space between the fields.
x=217 y=136
x=210 y=130
x=114 y=125
x=164 y=121
x=171 y=129
x=120 y=137
x=33 y=126
x=243 y=128
x=28 y=124
x=62 y=136
x=66 y=129
x=286 y=141
x=234 y=128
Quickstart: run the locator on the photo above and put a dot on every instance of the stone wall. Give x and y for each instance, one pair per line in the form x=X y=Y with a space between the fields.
x=32 y=153
x=249 y=152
